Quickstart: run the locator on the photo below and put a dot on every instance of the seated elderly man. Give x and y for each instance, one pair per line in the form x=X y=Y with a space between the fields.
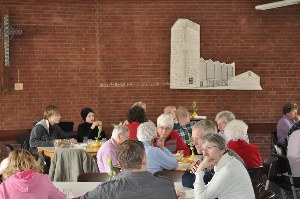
x=169 y=137
x=158 y=158
x=201 y=129
x=109 y=148
x=134 y=181
x=236 y=136
x=222 y=119
x=185 y=124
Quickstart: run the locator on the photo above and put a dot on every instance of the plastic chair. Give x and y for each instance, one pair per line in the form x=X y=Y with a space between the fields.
x=175 y=176
x=268 y=170
x=256 y=173
x=93 y=177
x=284 y=176
x=274 y=137
x=266 y=194
x=256 y=186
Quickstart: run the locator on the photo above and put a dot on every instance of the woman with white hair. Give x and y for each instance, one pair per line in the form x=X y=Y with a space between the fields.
x=168 y=137
x=109 y=148
x=158 y=158
x=236 y=136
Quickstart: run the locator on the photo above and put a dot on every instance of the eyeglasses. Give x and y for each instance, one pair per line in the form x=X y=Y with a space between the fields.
x=161 y=128
x=209 y=148
x=195 y=139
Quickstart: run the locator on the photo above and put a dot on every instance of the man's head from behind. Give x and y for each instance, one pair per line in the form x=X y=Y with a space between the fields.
x=223 y=118
x=200 y=129
x=183 y=115
x=131 y=155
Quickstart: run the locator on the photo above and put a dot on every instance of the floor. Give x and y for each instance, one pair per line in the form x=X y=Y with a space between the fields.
x=274 y=187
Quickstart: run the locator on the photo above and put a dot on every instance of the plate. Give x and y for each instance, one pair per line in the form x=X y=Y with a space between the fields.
x=79 y=145
x=200 y=117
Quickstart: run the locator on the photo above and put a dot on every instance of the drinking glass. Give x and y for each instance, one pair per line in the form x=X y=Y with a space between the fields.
x=85 y=140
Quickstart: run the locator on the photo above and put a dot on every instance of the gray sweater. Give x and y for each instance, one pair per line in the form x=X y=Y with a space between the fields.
x=133 y=185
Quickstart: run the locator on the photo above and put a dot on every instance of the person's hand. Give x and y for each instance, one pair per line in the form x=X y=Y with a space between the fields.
x=180 y=194
x=206 y=163
x=99 y=124
x=297 y=118
x=96 y=123
x=160 y=142
x=195 y=167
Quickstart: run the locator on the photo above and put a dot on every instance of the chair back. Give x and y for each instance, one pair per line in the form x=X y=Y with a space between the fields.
x=266 y=194
x=274 y=137
x=256 y=173
x=175 y=176
x=256 y=186
x=68 y=163
x=284 y=176
x=268 y=170
x=93 y=177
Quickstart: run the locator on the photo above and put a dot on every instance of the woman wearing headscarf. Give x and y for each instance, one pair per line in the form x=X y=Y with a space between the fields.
x=89 y=128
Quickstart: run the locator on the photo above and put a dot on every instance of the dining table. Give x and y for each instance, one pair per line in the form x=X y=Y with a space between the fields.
x=76 y=189
x=49 y=151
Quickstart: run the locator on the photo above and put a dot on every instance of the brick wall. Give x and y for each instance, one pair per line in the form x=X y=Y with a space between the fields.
x=68 y=48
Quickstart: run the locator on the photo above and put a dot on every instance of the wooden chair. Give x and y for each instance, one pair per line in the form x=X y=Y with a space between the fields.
x=266 y=194
x=93 y=177
x=175 y=176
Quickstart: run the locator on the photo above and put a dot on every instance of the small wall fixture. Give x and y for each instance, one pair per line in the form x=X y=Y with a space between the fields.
x=277 y=4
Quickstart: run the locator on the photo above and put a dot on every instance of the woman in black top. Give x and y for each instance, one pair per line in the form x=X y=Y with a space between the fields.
x=90 y=127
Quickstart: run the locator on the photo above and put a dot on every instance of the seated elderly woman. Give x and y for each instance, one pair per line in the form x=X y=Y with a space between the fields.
x=289 y=118
x=231 y=179
x=171 y=139
x=236 y=135
x=23 y=179
x=158 y=158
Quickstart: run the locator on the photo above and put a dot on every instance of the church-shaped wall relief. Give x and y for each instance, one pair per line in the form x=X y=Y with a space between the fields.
x=189 y=71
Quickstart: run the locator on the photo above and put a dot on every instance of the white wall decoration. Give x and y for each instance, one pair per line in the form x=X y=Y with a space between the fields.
x=190 y=71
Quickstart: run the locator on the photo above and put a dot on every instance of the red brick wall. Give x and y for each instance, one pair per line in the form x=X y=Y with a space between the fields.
x=69 y=47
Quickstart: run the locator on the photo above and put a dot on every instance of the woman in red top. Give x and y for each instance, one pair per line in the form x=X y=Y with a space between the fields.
x=236 y=136
x=169 y=137
x=135 y=116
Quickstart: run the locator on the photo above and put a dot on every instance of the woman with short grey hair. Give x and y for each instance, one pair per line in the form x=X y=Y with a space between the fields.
x=158 y=158
x=168 y=137
x=231 y=179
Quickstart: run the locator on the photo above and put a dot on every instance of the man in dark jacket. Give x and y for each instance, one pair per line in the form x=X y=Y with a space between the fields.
x=134 y=181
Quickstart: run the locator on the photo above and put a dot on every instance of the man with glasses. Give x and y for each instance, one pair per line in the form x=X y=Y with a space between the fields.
x=109 y=148
x=200 y=129
x=168 y=137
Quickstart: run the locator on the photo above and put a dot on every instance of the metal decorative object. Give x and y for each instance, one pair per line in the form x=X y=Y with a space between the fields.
x=8 y=33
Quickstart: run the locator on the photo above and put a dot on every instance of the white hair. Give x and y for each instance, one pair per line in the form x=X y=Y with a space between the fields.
x=146 y=132
x=119 y=129
x=227 y=116
x=165 y=120
x=236 y=129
